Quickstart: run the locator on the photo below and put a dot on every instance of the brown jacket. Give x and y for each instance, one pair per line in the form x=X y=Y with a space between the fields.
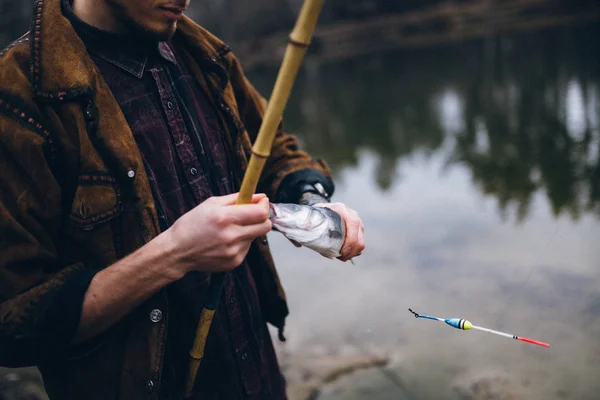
x=74 y=198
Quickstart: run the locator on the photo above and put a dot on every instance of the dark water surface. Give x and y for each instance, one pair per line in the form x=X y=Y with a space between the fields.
x=476 y=170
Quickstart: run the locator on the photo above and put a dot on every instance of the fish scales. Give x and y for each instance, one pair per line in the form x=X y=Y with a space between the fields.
x=318 y=228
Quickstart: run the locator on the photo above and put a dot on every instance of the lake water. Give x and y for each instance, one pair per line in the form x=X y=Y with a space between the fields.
x=476 y=170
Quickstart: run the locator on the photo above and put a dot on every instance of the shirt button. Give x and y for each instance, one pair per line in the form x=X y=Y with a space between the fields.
x=265 y=241
x=232 y=299
x=155 y=315
x=193 y=171
x=244 y=356
x=131 y=173
x=169 y=105
x=150 y=385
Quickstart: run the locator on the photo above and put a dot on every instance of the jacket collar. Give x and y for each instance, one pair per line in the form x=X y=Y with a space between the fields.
x=61 y=68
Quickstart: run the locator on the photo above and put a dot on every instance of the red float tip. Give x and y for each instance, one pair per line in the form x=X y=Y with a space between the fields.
x=533 y=341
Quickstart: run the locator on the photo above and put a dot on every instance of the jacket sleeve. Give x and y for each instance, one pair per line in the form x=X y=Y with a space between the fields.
x=289 y=169
x=40 y=300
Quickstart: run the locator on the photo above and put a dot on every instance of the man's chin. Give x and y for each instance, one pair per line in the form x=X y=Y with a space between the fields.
x=156 y=35
x=162 y=36
x=167 y=34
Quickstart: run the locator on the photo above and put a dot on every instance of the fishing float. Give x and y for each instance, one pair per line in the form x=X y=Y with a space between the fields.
x=466 y=325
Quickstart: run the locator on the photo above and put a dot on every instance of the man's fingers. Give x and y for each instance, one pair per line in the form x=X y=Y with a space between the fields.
x=250 y=214
x=355 y=241
x=360 y=245
x=352 y=232
x=249 y=232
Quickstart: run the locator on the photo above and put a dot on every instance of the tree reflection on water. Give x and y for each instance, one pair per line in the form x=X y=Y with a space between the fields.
x=519 y=111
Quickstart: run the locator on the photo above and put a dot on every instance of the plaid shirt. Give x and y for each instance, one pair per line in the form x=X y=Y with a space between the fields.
x=179 y=138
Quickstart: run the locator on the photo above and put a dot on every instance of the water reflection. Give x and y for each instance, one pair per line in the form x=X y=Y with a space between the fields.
x=520 y=112
x=512 y=119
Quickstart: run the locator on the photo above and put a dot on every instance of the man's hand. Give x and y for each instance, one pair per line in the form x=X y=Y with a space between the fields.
x=216 y=235
x=355 y=242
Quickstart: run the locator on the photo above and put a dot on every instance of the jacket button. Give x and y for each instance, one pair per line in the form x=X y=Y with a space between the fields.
x=155 y=315
x=131 y=173
x=244 y=356
x=150 y=385
x=193 y=171
x=265 y=241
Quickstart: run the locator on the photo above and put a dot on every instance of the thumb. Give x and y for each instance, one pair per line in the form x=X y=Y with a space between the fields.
x=258 y=197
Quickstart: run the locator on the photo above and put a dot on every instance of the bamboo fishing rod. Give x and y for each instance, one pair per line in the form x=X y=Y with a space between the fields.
x=299 y=41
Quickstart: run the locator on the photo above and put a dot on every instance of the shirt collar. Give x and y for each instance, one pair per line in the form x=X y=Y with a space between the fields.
x=124 y=51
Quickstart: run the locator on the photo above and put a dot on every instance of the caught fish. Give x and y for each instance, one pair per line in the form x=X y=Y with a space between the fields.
x=318 y=228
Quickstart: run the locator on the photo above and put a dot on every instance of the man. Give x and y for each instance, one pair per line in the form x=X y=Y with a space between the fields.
x=125 y=130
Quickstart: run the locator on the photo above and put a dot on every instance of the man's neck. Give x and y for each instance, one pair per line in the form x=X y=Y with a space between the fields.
x=97 y=13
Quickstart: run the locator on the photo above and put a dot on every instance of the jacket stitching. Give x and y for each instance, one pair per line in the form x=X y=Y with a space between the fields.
x=97 y=179
x=36 y=25
x=63 y=95
x=14 y=108
x=22 y=39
